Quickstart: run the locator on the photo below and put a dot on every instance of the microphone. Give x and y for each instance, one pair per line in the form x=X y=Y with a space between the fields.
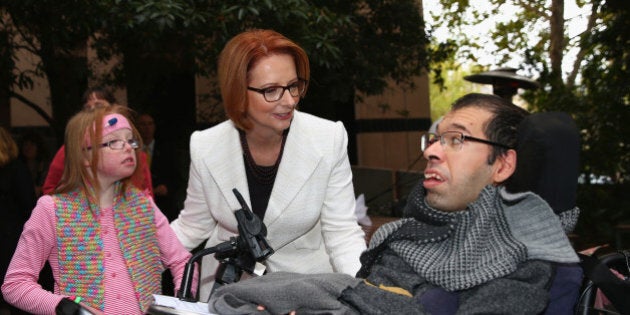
x=252 y=230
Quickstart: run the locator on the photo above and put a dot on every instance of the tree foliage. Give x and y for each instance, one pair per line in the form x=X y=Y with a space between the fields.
x=354 y=46
x=594 y=88
x=57 y=34
x=605 y=109
x=443 y=95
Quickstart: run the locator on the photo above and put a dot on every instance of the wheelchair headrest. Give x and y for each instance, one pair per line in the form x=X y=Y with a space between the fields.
x=548 y=150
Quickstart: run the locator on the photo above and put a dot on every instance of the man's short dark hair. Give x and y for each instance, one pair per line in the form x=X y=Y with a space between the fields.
x=502 y=126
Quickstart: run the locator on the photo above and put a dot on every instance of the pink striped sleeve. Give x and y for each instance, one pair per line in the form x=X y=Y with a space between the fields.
x=37 y=244
x=173 y=254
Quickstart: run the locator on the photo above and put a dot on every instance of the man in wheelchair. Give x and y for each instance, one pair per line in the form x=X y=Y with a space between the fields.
x=465 y=244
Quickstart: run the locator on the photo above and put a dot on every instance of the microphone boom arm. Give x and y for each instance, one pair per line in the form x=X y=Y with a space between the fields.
x=249 y=246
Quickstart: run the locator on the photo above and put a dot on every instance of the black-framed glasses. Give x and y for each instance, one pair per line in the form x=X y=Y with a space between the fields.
x=274 y=93
x=453 y=140
x=119 y=144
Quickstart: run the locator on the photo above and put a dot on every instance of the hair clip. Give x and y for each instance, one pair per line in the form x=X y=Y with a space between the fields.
x=111 y=122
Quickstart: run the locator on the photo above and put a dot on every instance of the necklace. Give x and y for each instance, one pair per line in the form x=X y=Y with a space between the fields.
x=264 y=175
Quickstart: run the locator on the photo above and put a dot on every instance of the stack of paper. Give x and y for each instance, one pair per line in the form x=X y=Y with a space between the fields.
x=169 y=305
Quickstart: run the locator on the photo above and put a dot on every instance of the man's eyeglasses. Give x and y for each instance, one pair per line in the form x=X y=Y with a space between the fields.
x=119 y=144
x=452 y=140
x=274 y=93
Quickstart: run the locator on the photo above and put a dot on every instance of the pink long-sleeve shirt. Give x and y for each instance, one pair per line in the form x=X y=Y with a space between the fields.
x=38 y=243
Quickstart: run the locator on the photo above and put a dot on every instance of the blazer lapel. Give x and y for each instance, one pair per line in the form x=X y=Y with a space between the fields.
x=225 y=163
x=299 y=161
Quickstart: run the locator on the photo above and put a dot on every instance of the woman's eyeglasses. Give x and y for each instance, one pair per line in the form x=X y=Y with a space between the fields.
x=275 y=93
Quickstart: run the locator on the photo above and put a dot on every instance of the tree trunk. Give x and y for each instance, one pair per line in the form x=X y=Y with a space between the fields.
x=557 y=43
x=67 y=78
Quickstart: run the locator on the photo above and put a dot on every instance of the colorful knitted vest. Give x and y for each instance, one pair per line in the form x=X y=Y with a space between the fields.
x=80 y=247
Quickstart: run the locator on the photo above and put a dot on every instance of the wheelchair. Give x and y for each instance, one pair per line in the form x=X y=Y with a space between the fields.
x=606 y=288
x=548 y=165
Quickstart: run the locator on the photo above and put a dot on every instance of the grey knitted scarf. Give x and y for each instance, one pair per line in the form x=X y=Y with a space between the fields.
x=459 y=250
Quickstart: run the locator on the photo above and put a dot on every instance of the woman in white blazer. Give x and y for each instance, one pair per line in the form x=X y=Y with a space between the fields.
x=292 y=168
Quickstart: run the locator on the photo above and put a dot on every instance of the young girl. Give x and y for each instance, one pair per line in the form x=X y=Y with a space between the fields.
x=106 y=241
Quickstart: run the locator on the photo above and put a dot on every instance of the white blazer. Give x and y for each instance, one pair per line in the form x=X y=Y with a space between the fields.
x=310 y=218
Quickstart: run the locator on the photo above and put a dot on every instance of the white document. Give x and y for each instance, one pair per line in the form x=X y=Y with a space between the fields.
x=171 y=305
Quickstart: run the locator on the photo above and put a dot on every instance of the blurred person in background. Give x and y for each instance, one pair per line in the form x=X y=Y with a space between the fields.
x=161 y=161
x=34 y=154
x=17 y=199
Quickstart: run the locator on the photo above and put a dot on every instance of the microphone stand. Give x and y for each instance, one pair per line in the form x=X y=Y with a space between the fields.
x=240 y=252
x=184 y=292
